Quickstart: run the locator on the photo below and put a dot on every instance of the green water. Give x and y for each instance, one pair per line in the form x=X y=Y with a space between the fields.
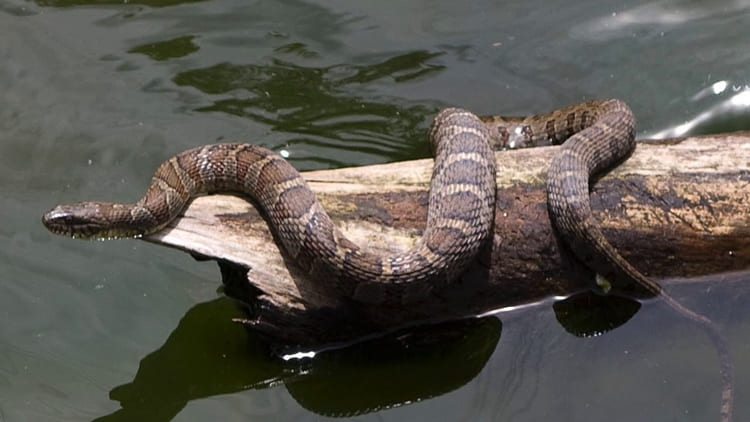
x=95 y=94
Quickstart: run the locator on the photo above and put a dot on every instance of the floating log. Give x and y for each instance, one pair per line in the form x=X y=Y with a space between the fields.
x=676 y=208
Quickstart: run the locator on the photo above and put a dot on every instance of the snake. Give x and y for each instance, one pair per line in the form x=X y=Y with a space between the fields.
x=595 y=137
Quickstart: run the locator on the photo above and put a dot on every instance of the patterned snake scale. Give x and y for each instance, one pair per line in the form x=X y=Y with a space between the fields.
x=597 y=135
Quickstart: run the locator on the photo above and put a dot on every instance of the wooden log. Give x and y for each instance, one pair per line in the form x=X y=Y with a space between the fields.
x=676 y=208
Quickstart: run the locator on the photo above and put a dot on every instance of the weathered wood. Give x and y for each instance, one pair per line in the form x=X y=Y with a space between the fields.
x=675 y=208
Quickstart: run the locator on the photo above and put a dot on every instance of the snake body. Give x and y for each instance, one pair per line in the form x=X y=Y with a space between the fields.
x=597 y=135
x=459 y=220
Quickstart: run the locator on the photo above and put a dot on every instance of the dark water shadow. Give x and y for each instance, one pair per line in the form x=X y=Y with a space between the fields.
x=589 y=314
x=205 y=355
x=208 y=355
x=403 y=368
x=168 y=49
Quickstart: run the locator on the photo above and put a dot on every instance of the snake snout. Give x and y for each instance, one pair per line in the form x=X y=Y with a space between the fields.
x=72 y=220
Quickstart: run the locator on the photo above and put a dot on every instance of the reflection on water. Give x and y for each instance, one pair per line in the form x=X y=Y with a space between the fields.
x=664 y=15
x=589 y=314
x=326 y=105
x=397 y=370
x=170 y=49
x=207 y=355
x=727 y=110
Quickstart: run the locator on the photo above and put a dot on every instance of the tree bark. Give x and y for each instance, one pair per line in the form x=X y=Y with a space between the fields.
x=676 y=208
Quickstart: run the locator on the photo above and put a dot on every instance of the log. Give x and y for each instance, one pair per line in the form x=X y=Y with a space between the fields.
x=676 y=208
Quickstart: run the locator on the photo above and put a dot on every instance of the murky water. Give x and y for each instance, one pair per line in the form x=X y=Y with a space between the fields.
x=94 y=94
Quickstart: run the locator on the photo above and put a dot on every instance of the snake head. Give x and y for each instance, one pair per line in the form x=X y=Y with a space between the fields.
x=90 y=220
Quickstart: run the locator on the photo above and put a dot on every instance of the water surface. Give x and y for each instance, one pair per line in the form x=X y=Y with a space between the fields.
x=95 y=94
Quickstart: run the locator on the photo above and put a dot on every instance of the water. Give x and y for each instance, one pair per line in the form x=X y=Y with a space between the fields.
x=95 y=94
